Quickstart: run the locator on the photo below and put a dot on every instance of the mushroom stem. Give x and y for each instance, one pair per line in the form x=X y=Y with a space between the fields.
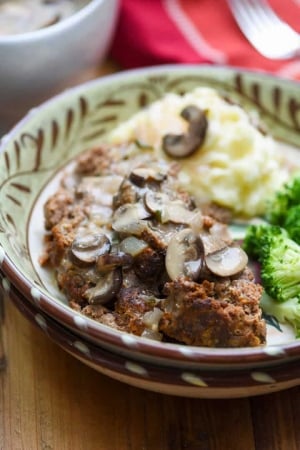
x=86 y=248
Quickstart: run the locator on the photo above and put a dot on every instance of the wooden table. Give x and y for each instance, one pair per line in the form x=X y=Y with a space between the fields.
x=49 y=400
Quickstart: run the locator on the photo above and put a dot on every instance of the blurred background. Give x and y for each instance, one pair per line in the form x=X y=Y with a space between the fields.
x=187 y=31
x=55 y=49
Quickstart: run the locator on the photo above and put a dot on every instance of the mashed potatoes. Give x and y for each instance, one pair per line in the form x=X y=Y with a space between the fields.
x=236 y=166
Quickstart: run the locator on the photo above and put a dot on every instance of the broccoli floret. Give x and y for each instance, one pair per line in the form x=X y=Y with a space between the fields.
x=258 y=237
x=292 y=223
x=278 y=253
x=279 y=257
x=286 y=312
x=283 y=200
x=280 y=268
x=251 y=242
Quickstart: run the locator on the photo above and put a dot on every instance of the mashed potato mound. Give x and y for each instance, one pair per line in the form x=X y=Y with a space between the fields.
x=237 y=166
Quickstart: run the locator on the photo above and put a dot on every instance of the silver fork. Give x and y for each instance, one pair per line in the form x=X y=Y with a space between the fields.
x=267 y=33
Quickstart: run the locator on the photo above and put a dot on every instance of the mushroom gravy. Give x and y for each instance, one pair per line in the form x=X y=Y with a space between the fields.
x=131 y=249
x=22 y=16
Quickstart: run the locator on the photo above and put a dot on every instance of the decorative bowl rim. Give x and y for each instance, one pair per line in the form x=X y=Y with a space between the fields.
x=123 y=341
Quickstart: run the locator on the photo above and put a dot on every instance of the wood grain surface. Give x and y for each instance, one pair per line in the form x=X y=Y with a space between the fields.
x=49 y=400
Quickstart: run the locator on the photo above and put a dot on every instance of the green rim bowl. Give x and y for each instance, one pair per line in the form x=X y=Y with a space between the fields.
x=47 y=139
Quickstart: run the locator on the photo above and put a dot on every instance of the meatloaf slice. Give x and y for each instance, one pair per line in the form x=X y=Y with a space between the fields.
x=132 y=305
x=214 y=314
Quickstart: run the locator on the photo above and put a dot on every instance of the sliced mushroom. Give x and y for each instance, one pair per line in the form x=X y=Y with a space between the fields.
x=168 y=210
x=156 y=202
x=227 y=262
x=182 y=145
x=110 y=261
x=107 y=287
x=185 y=255
x=141 y=175
x=212 y=243
x=177 y=212
x=86 y=248
x=127 y=216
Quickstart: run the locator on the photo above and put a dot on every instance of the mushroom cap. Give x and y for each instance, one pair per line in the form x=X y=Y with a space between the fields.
x=167 y=209
x=185 y=255
x=128 y=216
x=183 y=145
x=227 y=261
x=86 y=248
x=108 y=285
x=141 y=175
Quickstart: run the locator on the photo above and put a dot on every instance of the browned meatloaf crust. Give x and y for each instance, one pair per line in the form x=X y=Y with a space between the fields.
x=201 y=308
x=214 y=314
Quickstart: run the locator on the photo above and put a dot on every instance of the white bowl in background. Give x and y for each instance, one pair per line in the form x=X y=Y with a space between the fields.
x=38 y=64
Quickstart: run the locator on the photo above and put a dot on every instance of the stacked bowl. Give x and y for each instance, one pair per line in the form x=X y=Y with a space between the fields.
x=44 y=142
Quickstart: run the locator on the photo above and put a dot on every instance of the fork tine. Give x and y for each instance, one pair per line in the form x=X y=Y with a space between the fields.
x=264 y=29
x=255 y=11
x=269 y=17
x=241 y=13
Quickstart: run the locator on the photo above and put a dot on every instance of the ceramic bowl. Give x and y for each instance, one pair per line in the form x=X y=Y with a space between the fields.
x=196 y=383
x=38 y=64
x=52 y=134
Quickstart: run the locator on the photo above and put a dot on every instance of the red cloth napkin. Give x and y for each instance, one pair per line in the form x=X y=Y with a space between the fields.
x=152 y=32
